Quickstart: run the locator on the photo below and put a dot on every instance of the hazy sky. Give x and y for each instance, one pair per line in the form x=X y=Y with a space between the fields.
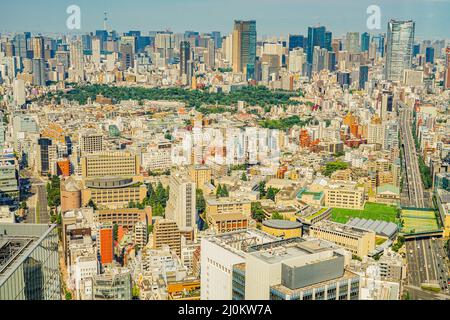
x=274 y=17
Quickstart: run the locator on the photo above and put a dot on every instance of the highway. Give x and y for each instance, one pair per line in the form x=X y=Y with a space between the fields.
x=413 y=181
x=426 y=263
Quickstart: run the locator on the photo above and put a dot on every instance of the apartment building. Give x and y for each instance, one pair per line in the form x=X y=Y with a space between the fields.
x=90 y=142
x=200 y=174
x=359 y=242
x=158 y=157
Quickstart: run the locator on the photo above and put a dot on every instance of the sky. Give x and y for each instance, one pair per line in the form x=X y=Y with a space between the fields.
x=274 y=17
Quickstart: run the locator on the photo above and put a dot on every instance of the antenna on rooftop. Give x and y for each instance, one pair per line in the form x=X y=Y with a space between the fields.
x=105 y=21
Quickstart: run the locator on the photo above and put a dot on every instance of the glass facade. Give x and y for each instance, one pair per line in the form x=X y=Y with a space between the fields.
x=400 y=41
x=29 y=263
x=238 y=283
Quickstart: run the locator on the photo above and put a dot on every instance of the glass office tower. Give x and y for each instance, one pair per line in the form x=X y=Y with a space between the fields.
x=400 y=41
x=244 y=47
x=29 y=262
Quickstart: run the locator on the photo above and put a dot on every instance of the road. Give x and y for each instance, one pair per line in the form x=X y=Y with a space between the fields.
x=38 y=211
x=426 y=263
x=413 y=183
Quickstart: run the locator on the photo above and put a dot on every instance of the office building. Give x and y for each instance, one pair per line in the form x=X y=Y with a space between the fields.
x=181 y=206
x=447 y=69
x=344 y=195
x=316 y=38
x=352 y=42
x=123 y=217
x=365 y=42
x=106 y=243
x=296 y=42
x=201 y=175
x=9 y=182
x=39 y=75
x=127 y=56
x=29 y=262
x=363 y=76
x=400 y=40
x=104 y=164
x=219 y=256
x=167 y=233
x=90 y=142
x=76 y=72
x=429 y=55
x=113 y=192
x=244 y=47
x=114 y=284
x=19 y=92
x=185 y=57
x=360 y=242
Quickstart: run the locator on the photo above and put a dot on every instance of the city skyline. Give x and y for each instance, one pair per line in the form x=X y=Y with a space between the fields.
x=429 y=15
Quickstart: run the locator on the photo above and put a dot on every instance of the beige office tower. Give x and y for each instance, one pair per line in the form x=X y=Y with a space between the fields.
x=96 y=50
x=90 y=142
x=19 y=92
x=201 y=175
x=76 y=61
x=166 y=233
x=181 y=206
x=244 y=45
x=104 y=164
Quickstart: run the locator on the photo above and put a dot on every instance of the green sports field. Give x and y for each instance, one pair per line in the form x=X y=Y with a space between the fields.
x=372 y=211
x=419 y=221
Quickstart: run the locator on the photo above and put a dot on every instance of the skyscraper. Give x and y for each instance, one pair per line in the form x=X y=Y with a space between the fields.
x=316 y=38
x=296 y=41
x=39 y=78
x=96 y=50
x=352 y=42
x=244 y=47
x=37 y=45
x=181 y=204
x=363 y=76
x=20 y=44
x=185 y=56
x=126 y=52
x=19 y=92
x=400 y=40
x=429 y=55
x=379 y=40
x=447 y=69
x=77 y=61
x=365 y=41
x=216 y=35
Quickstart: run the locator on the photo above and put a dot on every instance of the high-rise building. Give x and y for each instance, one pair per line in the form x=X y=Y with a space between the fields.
x=328 y=40
x=164 y=45
x=37 y=45
x=381 y=46
x=39 y=76
x=90 y=142
x=21 y=45
x=296 y=41
x=29 y=262
x=447 y=69
x=316 y=38
x=352 y=42
x=429 y=55
x=365 y=41
x=76 y=61
x=400 y=40
x=181 y=206
x=127 y=56
x=210 y=54
x=96 y=50
x=363 y=76
x=216 y=35
x=244 y=47
x=106 y=243
x=19 y=92
x=185 y=57
x=416 y=49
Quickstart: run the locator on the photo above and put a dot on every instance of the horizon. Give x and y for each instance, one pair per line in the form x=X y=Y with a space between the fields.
x=212 y=15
